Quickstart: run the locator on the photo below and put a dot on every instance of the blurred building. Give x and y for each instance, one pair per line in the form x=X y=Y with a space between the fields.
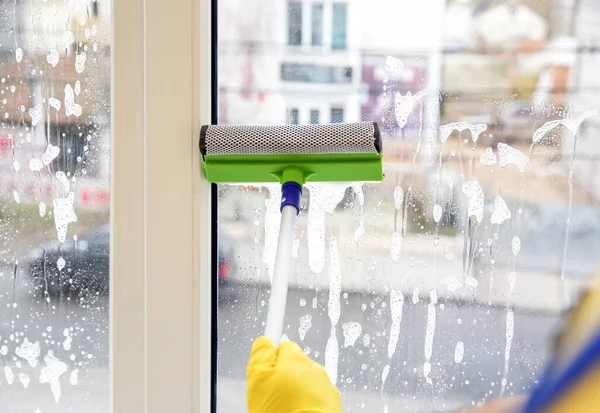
x=486 y=44
x=296 y=62
x=390 y=31
x=585 y=83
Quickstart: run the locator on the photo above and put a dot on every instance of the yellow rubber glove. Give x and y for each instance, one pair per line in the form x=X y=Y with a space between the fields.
x=285 y=380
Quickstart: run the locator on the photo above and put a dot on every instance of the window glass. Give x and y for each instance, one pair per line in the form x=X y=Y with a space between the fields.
x=54 y=219
x=457 y=268
x=337 y=115
x=339 y=24
x=311 y=73
x=294 y=18
x=314 y=116
x=317 y=24
x=293 y=116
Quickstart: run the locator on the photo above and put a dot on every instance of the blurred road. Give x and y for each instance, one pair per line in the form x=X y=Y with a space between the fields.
x=478 y=376
x=241 y=310
x=72 y=337
x=368 y=267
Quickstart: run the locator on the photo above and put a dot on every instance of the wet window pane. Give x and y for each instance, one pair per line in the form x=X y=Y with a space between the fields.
x=456 y=270
x=54 y=219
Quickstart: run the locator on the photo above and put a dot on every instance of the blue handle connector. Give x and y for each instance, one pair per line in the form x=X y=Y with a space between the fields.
x=291 y=192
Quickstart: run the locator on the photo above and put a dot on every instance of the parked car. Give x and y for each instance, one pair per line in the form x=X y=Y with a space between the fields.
x=82 y=265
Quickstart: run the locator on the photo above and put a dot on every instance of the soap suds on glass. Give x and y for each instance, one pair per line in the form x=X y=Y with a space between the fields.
x=571 y=124
x=54 y=103
x=451 y=283
x=415 y=296
x=516 y=245
x=62 y=178
x=501 y=212
x=272 y=222
x=51 y=373
x=437 y=213
x=488 y=158
x=68 y=339
x=396 y=306
x=510 y=327
x=29 y=352
x=50 y=154
x=512 y=281
x=459 y=352
x=8 y=373
x=508 y=155
x=396 y=246
x=333 y=310
x=352 y=330
x=36 y=114
x=430 y=332
x=64 y=214
x=324 y=197
x=305 y=324
x=393 y=67
x=71 y=108
x=404 y=105
x=476 y=199
x=24 y=379
x=475 y=129
x=52 y=56
x=74 y=377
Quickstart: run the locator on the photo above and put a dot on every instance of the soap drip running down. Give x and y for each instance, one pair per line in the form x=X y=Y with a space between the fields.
x=272 y=223
x=570 y=124
x=573 y=125
x=510 y=327
x=404 y=105
x=475 y=129
x=429 y=333
x=324 y=197
x=333 y=310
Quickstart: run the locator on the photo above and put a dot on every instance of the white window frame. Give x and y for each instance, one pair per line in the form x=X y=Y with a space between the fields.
x=160 y=307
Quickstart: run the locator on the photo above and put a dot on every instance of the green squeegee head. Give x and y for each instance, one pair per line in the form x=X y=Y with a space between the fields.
x=345 y=152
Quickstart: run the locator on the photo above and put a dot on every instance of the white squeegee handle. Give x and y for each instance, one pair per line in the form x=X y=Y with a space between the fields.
x=283 y=262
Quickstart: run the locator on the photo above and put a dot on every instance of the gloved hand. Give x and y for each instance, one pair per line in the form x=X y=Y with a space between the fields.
x=285 y=380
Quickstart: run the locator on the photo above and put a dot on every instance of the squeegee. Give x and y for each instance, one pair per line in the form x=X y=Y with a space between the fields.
x=290 y=155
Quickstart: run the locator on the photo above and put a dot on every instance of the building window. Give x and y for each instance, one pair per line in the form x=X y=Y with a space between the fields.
x=317 y=24
x=296 y=72
x=338 y=38
x=95 y=8
x=337 y=115
x=71 y=141
x=314 y=116
x=292 y=116
x=294 y=23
